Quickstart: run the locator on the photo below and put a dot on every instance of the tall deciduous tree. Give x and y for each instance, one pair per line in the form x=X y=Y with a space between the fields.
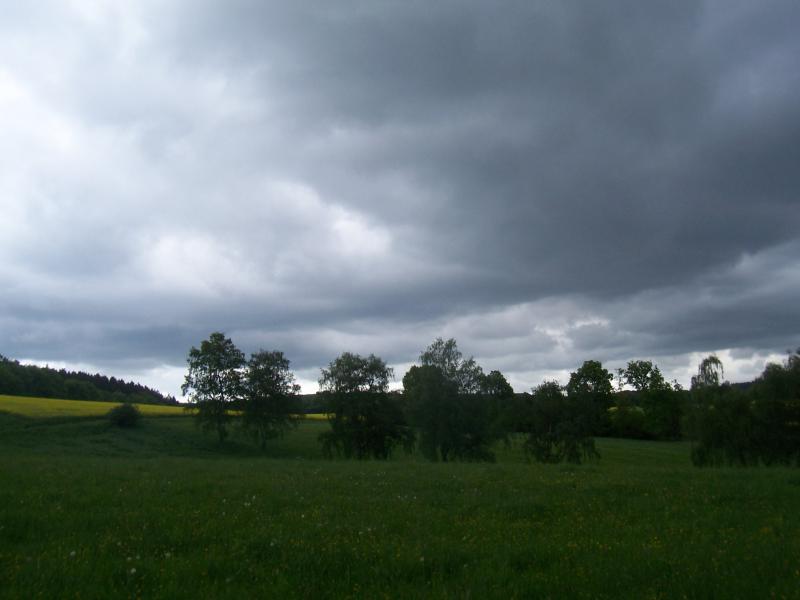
x=590 y=387
x=454 y=405
x=496 y=385
x=662 y=403
x=270 y=402
x=643 y=375
x=445 y=355
x=432 y=403
x=365 y=419
x=214 y=381
x=353 y=373
x=499 y=395
x=709 y=372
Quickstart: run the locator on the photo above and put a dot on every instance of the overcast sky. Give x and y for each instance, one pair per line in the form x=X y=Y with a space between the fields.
x=547 y=182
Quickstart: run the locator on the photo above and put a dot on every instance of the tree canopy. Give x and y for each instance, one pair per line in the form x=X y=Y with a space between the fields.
x=366 y=420
x=454 y=405
x=445 y=355
x=354 y=373
x=643 y=375
x=590 y=388
x=709 y=372
x=270 y=404
x=214 y=381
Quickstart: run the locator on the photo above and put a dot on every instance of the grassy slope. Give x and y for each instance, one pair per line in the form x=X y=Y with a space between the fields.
x=164 y=512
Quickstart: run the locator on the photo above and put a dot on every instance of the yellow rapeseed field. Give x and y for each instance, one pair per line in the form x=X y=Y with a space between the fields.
x=53 y=407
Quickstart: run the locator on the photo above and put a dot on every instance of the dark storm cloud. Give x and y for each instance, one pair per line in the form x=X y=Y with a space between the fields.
x=548 y=182
x=650 y=140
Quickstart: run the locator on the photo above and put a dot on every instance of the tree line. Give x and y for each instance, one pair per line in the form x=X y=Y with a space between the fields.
x=759 y=424
x=451 y=410
x=30 y=380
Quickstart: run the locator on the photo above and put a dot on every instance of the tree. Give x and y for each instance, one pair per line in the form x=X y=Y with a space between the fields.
x=353 y=373
x=445 y=355
x=499 y=395
x=590 y=388
x=366 y=420
x=557 y=426
x=454 y=405
x=709 y=373
x=495 y=385
x=662 y=403
x=214 y=381
x=591 y=378
x=270 y=400
x=643 y=375
x=433 y=407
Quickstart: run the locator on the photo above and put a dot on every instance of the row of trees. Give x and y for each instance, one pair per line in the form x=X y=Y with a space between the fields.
x=452 y=410
x=449 y=407
x=262 y=389
x=29 y=380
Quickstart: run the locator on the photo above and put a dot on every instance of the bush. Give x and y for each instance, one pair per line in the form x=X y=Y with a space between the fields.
x=124 y=415
x=559 y=427
x=627 y=420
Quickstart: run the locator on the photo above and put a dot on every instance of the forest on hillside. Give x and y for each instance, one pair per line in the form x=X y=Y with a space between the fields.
x=17 y=379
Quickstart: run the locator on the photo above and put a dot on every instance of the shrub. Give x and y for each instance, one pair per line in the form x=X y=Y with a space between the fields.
x=559 y=427
x=627 y=420
x=124 y=415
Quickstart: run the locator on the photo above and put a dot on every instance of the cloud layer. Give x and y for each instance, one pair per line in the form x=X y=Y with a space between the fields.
x=545 y=182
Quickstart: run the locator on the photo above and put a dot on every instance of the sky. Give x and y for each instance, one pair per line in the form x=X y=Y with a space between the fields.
x=545 y=182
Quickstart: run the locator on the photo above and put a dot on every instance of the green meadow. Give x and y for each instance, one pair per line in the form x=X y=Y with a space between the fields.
x=164 y=511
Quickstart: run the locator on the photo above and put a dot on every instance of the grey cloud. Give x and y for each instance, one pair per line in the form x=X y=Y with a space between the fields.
x=547 y=182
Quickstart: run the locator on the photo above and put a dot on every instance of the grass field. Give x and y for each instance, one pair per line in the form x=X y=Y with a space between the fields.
x=165 y=512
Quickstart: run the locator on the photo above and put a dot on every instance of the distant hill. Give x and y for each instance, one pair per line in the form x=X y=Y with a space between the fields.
x=29 y=380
